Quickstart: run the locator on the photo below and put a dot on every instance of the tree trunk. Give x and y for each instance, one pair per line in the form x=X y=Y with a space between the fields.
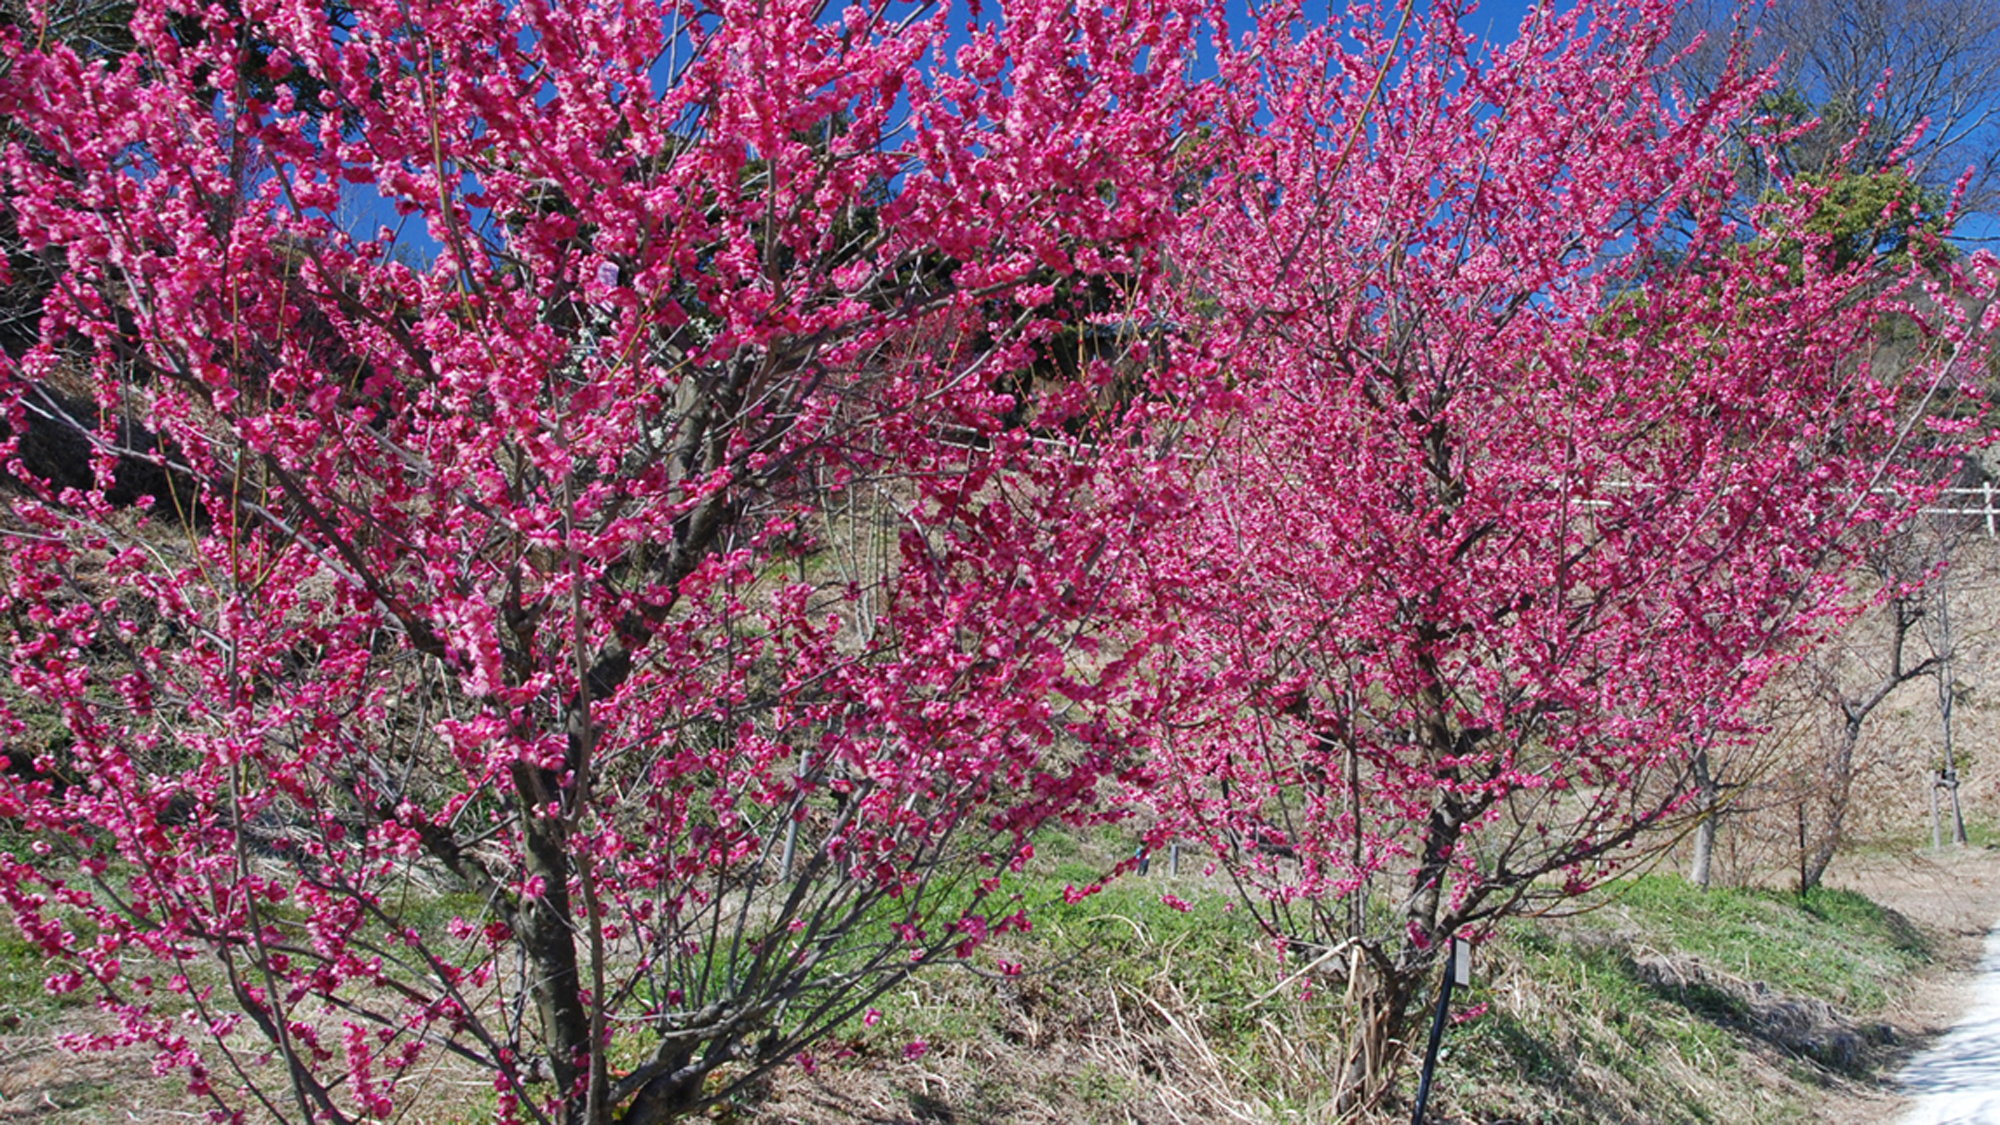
x=1386 y=987
x=1813 y=871
x=1375 y=1046
x=548 y=942
x=1937 y=829
x=1700 y=867
x=1708 y=804
x=1838 y=786
x=1958 y=835
x=1947 y=696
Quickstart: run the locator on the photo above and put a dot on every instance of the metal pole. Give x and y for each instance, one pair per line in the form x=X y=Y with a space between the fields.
x=1437 y=1031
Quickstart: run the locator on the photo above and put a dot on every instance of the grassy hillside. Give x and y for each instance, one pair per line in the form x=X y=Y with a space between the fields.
x=1663 y=1004
x=1158 y=1001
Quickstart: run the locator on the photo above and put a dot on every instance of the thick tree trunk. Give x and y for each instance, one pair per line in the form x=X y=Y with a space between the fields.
x=1701 y=867
x=1375 y=1046
x=668 y=1096
x=547 y=925
x=547 y=933
x=1708 y=805
x=1813 y=871
x=1387 y=987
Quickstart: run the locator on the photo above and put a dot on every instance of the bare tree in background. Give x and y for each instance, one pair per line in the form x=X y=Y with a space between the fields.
x=1944 y=769
x=1797 y=784
x=1852 y=680
x=1883 y=66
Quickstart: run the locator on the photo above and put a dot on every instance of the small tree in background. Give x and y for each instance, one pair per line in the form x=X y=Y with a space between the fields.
x=1512 y=521
x=1849 y=682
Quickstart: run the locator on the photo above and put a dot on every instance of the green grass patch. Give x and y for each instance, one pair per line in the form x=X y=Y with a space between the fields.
x=1669 y=1004
x=1836 y=946
x=1572 y=1035
x=24 y=969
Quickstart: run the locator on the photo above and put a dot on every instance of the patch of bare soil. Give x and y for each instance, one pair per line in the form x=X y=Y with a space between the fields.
x=1953 y=897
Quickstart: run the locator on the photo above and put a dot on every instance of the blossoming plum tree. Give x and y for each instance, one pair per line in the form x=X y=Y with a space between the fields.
x=1539 y=467
x=614 y=652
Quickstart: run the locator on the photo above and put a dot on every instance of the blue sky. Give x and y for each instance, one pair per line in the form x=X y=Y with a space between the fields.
x=1498 y=20
x=1494 y=21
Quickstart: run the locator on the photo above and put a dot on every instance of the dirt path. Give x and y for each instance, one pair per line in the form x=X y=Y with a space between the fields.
x=1957 y=1081
x=1955 y=897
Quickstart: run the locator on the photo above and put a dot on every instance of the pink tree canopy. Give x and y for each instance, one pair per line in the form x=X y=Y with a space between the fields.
x=647 y=631
x=1537 y=469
